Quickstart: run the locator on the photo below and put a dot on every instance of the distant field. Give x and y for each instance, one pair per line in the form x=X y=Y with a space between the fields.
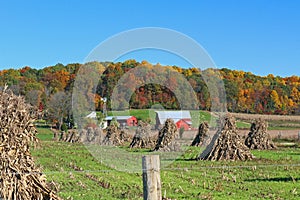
x=276 y=122
x=290 y=118
x=273 y=175
x=140 y=114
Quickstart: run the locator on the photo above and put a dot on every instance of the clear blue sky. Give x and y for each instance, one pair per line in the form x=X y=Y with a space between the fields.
x=260 y=36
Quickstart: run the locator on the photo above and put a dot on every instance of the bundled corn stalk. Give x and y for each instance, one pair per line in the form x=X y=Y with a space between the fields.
x=166 y=137
x=114 y=136
x=91 y=135
x=258 y=138
x=88 y=135
x=56 y=134
x=20 y=177
x=71 y=136
x=142 y=137
x=226 y=144
x=125 y=137
x=201 y=135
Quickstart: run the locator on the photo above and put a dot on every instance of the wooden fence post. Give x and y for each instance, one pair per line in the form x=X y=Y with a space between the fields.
x=151 y=177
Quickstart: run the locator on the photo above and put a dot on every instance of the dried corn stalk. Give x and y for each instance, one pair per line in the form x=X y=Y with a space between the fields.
x=88 y=135
x=166 y=137
x=71 y=136
x=226 y=143
x=20 y=177
x=258 y=138
x=142 y=137
x=202 y=134
x=91 y=135
x=114 y=136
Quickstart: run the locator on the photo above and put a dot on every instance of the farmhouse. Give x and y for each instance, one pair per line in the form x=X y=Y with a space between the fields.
x=181 y=118
x=123 y=120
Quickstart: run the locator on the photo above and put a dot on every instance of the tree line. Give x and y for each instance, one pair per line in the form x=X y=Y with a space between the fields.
x=245 y=92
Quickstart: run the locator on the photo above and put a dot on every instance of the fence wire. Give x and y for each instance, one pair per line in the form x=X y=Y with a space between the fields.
x=140 y=170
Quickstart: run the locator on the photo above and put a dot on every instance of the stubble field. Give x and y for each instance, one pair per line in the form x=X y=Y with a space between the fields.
x=273 y=174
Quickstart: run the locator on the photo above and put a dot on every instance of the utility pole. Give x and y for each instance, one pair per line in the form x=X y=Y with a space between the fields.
x=104 y=99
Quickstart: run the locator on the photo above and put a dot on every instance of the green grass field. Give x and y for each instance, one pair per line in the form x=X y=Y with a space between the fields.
x=272 y=175
x=44 y=133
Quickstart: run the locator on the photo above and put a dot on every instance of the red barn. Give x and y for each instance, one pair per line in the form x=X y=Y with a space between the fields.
x=182 y=118
x=185 y=123
x=123 y=120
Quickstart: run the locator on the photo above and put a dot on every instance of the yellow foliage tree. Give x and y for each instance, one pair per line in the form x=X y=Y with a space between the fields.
x=275 y=99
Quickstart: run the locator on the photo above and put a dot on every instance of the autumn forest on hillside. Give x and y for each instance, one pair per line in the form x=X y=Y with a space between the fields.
x=245 y=92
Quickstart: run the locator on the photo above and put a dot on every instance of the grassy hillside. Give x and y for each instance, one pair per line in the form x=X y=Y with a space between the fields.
x=149 y=114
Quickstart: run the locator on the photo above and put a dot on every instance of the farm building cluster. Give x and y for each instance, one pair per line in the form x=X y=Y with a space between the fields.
x=182 y=119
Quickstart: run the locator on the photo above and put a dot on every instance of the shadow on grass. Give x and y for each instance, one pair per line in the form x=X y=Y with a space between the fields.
x=187 y=159
x=277 y=179
x=293 y=153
